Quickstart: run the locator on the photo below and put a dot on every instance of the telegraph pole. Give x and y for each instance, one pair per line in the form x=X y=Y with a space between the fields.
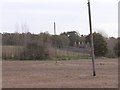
x=55 y=40
x=91 y=36
x=54 y=29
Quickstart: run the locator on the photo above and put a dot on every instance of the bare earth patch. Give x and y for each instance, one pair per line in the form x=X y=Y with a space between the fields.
x=64 y=74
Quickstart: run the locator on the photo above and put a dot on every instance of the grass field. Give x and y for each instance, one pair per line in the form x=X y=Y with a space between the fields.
x=64 y=74
x=13 y=52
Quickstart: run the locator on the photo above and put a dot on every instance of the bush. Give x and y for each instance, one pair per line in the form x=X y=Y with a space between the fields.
x=117 y=48
x=100 y=45
x=110 y=54
x=33 y=51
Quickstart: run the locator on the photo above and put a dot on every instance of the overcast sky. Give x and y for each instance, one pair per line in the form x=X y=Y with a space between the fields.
x=69 y=15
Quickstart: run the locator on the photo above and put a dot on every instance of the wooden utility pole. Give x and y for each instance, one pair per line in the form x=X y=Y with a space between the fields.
x=55 y=40
x=91 y=36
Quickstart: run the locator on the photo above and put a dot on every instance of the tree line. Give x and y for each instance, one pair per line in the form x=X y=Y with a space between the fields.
x=35 y=45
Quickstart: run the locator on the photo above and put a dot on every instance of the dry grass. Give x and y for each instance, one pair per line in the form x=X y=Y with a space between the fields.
x=57 y=54
x=64 y=74
x=11 y=51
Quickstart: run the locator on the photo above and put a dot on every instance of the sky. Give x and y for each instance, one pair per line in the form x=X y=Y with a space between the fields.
x=38 y=16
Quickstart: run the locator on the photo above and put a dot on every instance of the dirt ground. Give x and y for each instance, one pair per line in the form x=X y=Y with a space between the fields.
x=64 y=74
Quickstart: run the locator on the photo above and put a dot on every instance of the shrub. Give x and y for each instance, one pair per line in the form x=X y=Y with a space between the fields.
x=117 y=48
x=100 y=45
x=33 y=51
